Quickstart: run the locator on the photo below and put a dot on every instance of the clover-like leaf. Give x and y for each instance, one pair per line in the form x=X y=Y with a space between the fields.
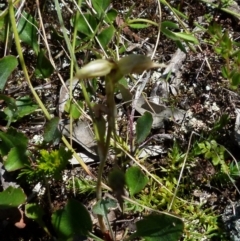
x=73 y=219
x=11 y=197
x=159 y=227
x=144 y=125
x=7 y=65
x=106 y=36
x=12 y=138
x=102 y=206
x=51 y=131
x=16 y=159
x=135 y=179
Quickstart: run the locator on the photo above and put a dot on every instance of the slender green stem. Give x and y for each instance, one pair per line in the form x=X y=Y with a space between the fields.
x=91 y=235
x=71 y=71
x=104 y=147
x=21 y=60
x=48 y=192
x=65 y=33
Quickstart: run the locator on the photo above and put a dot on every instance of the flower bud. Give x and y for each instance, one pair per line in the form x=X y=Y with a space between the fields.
x=96 y=68
x=136 y=64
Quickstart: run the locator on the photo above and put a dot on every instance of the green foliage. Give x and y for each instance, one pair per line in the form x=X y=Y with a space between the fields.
x=73 y=109
x=53 y=163
x=81 y=185
x=12 y=138
x=48 y=164
x=100 y=6
x=27 y=28
x=106 y=36
x=51 y=131
x=16 y=159
x=168 y=27
x=13 y=149
x=35 y=212
x=17 y=109
x=175 y=160
x=159 y=227
x=82 y=24
x=225 y=3
x=144 y=125
x=219 y=125
x=74 y=219
x=227 y=49
x=7 y=65
x=211 y=150
x=93 y=28
x=102 y=207
x=11 y=197
x=216 y=153
x=135 y=180
x=3 y=25
x=234 y=170
x=44 y=68
x=138 y=25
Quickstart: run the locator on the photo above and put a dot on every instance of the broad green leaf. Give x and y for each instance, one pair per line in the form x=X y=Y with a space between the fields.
x=225 y=72
x=106 y=36
x=235 y=79
x=11 y=139
x=136 y=180
x=83 y=27
x=73 y=219
x=27 y=29
x=16 y=159
x=159 y=227
x=111 y=15
x=51 y=131
x=73 y=109
x=7 y=65
x=25 y=106
x=35 y=212
x=123 y=81
x=144 y=125
x=181 y=46
x=100 y=6
x=44 y=67
x=102 y=206
x=169 y=34
x=11 y=197
x=11 y=110
x=169 y=24
x=138 y=25
x=187 y=37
